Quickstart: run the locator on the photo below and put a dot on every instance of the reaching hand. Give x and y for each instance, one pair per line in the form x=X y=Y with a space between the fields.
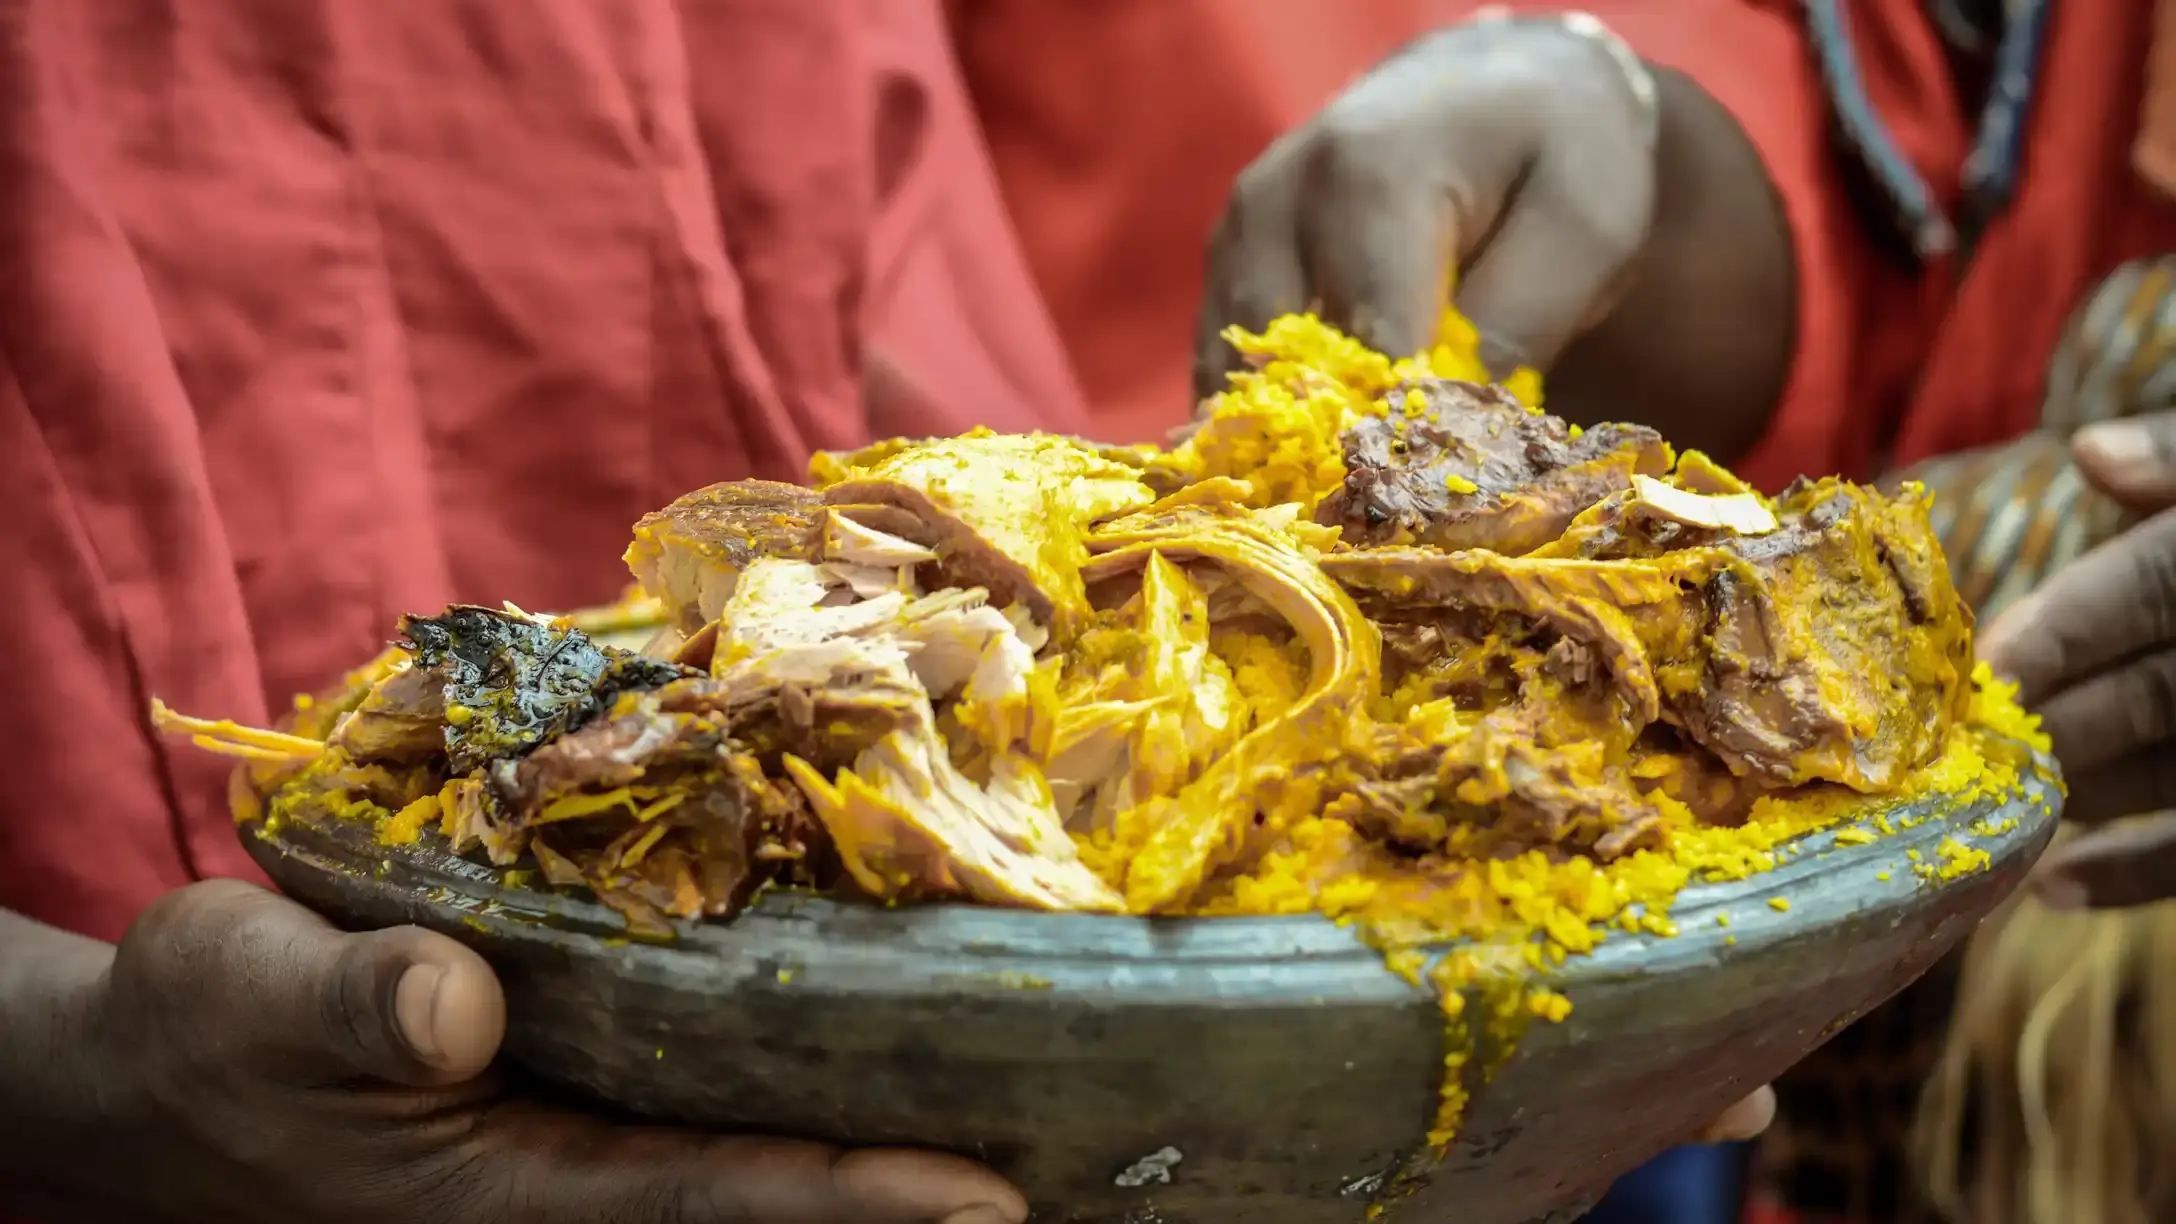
x=263 y=1066
x=1594 y=209
x=1520 y=151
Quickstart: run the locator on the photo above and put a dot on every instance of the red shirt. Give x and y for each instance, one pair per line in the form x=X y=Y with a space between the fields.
x=320 y=311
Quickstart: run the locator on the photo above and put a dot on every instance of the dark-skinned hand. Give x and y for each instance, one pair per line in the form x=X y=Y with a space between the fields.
x=1617 y=225
x=2094 y=653
x=259 y=1065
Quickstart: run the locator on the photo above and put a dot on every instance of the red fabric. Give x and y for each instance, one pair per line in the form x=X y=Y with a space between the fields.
x=1117 y=128
x=316 y=311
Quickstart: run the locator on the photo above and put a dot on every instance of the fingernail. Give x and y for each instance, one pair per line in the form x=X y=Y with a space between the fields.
x=2122 y=445
x=982 y=1213
x=2057 y=891
x=415 y=1009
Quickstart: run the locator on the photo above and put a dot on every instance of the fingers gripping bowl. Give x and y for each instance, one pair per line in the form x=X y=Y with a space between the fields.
x=1388 y=797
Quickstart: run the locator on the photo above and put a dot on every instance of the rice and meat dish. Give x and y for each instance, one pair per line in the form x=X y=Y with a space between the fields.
x=1372 y=640
x=1375 y=640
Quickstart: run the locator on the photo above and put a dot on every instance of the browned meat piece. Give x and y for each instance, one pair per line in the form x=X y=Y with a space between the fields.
x=1629 y=615
x=402 y=719
x=1468 y=466
x=656 y=809
x=1827 y=650
x=691 y=553
x=1838 y=649
x=608 y=753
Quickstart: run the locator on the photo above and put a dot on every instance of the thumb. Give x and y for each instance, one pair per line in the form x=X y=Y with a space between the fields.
x=2132 y=461
x=402 y=1005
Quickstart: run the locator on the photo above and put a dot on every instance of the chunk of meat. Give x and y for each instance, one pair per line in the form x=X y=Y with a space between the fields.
x=1456 y=465
x=647 y=741
x=1548 y=770
x=1839 y=650
x=690 y=554
x=656 y=809
x=1631 y=615
x=1008 y=514
x=401 y=720
x=1144 y=705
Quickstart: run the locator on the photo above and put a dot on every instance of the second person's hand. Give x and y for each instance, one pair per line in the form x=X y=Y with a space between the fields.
x=2094 y=653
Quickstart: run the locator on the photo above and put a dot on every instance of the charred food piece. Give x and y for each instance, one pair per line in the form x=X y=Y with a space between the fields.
x=690 y=554
x=1454 y=465
x=1832 y=649
x=511 y=682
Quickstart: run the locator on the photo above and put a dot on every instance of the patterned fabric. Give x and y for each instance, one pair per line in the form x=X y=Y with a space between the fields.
x=2008 y=516
x=2015 y=31
x=1912 y=208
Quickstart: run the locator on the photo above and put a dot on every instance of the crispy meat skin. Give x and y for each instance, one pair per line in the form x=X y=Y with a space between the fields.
x=1473 y=468
x=1840 y=650
x=690 y=553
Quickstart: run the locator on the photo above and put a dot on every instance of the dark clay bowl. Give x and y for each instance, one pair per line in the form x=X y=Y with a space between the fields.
x=1190 y=1071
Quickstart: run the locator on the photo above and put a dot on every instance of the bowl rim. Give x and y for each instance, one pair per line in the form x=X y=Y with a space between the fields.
x=823 y=944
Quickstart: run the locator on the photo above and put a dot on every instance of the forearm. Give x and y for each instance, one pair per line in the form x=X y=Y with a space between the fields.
x=50 y=1103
